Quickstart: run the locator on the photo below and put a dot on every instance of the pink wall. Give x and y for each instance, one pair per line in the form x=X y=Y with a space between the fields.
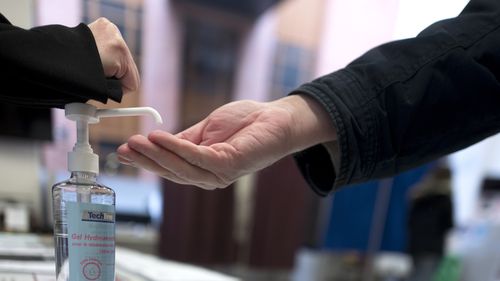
x=353 y=27
x=65 y=12
x=255 y=67
x=160 y=77
x=161 y=64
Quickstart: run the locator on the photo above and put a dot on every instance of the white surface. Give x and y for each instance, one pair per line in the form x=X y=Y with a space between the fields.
x=160 y=270
x=23 y=245
x=130 y=265
x=25 y=277
x=17 y=266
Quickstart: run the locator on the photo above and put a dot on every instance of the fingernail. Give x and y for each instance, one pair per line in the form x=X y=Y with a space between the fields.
x=128 y=163
x=124 y=158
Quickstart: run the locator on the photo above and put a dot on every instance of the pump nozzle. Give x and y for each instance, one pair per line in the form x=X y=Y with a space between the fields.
x=131 y=111
x=83 y=158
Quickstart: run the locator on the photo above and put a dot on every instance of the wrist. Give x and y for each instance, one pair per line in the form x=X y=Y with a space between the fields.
x=310 y=124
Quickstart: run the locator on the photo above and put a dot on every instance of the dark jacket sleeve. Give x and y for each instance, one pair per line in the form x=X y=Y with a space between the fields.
x=50 y=66
x=411 y=101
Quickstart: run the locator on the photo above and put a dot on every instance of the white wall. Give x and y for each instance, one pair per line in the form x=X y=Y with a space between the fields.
x=161 y=64
x=19 y=12
x=350 y=28
x=414 y=16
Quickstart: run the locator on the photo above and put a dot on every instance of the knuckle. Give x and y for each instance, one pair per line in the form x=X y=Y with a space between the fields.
x=118 y=44
x=117 y=65
x=102 y=21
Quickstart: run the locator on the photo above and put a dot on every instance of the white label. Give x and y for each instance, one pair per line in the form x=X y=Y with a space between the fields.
x=91 y=242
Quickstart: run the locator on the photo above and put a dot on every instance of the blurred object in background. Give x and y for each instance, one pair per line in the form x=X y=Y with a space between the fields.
x=392 y=266
x=14 y=217
x=209 y=64
x=430 y=217
x=472 y=250
x=23 y=132
x=244 y=9
x=328 y=266
x=22 y=178
x=475 y=250
x=489 y=205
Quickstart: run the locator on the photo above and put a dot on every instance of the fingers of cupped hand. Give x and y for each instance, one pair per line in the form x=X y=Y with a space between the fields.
x=148 y=164
x=171 y=164
x=124 y=160
x=144 y=162
x=194 y=154
x=201 y=156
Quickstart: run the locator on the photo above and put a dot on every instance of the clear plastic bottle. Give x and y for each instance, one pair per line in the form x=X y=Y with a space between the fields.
x=80 y=188
x=84 y=211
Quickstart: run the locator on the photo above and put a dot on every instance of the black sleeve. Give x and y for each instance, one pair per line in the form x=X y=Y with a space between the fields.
x=411 y=101
x=50 y=66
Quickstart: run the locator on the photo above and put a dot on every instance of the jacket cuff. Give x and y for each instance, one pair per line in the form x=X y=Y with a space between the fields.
x=353 y=158
x=319 y=165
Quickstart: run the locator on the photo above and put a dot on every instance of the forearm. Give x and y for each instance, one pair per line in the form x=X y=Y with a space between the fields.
x=408 y=102
x=52 y=65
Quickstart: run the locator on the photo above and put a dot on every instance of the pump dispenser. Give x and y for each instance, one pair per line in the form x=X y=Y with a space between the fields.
x=84 y=210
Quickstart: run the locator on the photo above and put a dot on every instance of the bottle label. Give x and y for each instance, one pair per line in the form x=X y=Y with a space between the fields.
x=91 y=242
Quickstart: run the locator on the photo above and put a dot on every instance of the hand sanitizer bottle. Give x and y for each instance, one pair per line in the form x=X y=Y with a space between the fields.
x=84 y=210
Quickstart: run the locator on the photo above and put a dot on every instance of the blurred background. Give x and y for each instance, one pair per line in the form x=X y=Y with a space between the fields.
x=437 y=222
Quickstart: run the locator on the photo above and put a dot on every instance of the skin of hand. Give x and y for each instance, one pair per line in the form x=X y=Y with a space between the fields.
x=236 y=139
x=115 y=56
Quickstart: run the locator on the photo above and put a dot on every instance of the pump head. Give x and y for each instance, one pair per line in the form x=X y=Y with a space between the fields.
x=83 y=158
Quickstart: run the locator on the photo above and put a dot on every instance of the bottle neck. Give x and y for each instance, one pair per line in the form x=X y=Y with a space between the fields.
x=84 y=177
